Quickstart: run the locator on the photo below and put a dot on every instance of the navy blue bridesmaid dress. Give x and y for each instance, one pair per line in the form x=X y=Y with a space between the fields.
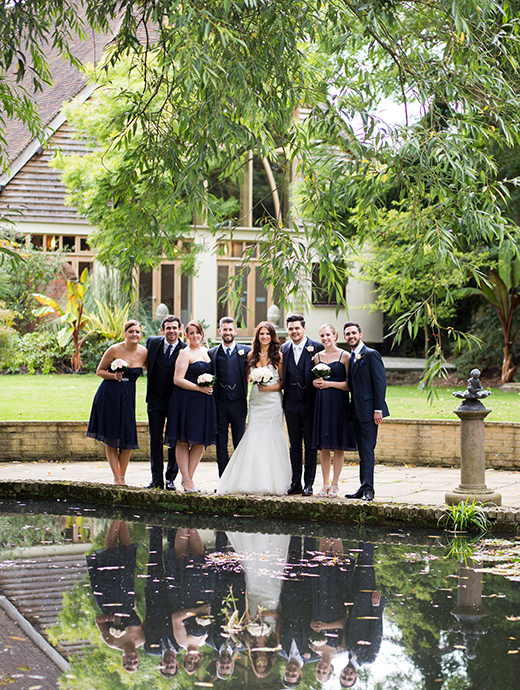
x=112 y=418
x=192 y=415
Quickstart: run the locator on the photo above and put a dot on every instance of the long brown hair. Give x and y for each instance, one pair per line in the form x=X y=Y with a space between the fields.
x=274 y=350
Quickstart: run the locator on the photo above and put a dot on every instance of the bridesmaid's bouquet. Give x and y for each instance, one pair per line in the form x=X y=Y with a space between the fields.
x=321 y=370
x=119 y=365
x=205 y=380
x=261 y=375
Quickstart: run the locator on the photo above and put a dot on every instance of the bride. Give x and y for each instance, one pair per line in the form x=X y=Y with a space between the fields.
x=260 y=463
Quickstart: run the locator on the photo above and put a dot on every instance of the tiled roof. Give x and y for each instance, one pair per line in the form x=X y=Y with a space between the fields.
x=68 y=82
x=37 y=190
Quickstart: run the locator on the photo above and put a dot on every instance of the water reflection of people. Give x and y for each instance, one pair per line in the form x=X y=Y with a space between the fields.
x=158 y=622
x=330 y=591
x=364 y=631
x=111 y=571
x=190 y=591
x=296 y=611
x=263 y=558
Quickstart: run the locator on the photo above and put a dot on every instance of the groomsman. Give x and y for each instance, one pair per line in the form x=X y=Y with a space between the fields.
x=163 y=351
x=298 y=402
x=229 y=361
x=367 y=385
x=364 y=630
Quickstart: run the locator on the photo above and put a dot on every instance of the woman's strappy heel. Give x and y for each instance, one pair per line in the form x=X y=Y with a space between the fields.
x=324 y=491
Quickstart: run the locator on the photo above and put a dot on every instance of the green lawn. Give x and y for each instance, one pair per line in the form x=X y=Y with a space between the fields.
x=56 y=397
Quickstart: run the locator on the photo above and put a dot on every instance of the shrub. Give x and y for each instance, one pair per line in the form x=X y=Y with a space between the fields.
x=7 y=335
x=38 y=351
x=93 y=349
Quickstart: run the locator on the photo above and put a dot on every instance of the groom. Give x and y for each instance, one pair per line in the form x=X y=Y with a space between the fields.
x=298 y=403
x=229 y=360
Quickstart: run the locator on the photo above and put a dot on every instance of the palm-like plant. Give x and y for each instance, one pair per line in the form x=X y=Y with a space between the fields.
x=72 y=318
x=502 y=291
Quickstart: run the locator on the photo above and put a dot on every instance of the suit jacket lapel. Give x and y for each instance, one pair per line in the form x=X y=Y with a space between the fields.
x=155 y=351
x=358 y=361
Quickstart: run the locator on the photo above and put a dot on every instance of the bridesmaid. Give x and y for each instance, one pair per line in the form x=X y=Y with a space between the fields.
x=192 y=416
x=112 y=419
x=330 y=425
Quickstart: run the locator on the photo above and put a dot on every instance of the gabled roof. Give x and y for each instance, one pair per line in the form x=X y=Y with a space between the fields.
x=68 y=83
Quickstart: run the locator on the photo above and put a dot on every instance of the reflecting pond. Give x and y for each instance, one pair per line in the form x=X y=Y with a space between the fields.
x=142 y=601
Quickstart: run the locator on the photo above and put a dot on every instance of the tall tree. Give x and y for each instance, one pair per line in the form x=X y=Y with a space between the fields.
x=223 y=76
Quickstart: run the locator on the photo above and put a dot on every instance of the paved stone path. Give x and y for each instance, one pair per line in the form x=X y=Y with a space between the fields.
x=413 y=485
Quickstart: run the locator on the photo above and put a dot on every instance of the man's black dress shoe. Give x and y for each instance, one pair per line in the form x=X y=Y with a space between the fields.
x=294 y=490
x=307 y=491
x=169 y=485
x=368 y=495
x=154 y=485
x=358 y=494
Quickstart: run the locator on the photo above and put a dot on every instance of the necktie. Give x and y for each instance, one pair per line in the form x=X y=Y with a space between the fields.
x=228 y=352
x=297 y=352
x=168 y=351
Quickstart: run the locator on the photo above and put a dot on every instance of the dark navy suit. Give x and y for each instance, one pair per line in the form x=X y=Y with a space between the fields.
x=231 y=397
x=364 y=631
x=298 y=403
x=158 y=393
x=367 y=384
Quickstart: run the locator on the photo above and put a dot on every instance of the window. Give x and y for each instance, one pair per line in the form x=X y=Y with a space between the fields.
x=168 y=286
x=69 y=243
x=82 y=265
x=320 y=290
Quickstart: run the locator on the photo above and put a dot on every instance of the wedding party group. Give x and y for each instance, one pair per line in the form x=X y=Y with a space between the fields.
x=208 y=606
x=332 y=401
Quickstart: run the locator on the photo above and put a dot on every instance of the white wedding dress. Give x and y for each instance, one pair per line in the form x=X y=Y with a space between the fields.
x=260 y=463
x=264 y=558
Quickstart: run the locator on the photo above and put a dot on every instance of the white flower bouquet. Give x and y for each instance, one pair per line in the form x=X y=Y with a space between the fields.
x=204 y=621
x=261 y=375
x=118 y=365
x=321 y=370
x=206 y=380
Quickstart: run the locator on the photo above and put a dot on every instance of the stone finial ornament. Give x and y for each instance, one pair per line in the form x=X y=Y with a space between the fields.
x=474 y=390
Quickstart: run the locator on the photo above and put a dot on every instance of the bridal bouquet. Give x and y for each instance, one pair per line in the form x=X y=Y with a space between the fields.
x=206 y=380
x=118 y=365
x=321 y=370
x=261 y=375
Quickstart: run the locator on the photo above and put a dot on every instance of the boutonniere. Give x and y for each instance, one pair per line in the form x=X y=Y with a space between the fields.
x=241 y=353
x=358 y=356
x=310 y=348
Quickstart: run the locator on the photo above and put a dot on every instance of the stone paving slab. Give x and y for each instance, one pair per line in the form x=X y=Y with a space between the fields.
x=413 y=485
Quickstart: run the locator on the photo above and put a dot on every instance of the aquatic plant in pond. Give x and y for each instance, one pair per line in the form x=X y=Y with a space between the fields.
x=459 y=517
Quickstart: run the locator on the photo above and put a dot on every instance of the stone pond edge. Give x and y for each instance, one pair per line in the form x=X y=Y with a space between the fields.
x=339 y=511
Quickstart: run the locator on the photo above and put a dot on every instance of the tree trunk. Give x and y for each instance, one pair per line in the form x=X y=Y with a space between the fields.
x=508 y=367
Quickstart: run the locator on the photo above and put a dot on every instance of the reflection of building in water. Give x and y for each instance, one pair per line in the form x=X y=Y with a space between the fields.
x=33 y=580
x=469 y=609
x=34 y=585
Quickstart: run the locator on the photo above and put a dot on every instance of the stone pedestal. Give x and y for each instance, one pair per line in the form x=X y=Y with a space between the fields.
x=472 y=457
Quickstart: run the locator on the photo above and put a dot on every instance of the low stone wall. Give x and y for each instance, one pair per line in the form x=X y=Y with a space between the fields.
x=400 y=442
x=62 y=441
x=437 y=443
